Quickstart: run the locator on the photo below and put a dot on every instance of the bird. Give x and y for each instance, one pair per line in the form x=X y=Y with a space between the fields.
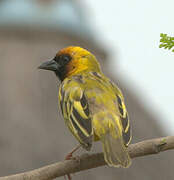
x=92 y=105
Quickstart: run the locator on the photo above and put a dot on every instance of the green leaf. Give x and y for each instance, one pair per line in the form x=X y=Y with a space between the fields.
x=166 y=42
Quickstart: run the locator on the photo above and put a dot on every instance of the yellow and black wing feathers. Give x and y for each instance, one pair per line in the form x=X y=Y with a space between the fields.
x=75 y=110
x=123 y=114
x=126 y=129
x=119 y=102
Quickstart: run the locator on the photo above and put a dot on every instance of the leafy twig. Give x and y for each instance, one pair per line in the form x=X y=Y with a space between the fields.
x=167 y=42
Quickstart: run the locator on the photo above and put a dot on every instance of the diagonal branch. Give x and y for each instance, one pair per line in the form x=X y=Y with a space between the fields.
x=88 y=161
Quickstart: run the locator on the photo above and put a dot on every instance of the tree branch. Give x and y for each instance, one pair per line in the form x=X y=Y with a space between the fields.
x=88 y=161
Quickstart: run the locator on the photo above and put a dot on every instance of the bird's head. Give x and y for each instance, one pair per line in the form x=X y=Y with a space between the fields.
x=71 y=61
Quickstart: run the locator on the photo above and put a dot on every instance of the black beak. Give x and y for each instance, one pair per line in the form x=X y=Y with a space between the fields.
x=49 y=65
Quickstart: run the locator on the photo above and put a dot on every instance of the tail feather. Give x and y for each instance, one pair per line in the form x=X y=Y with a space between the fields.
x=115 y=152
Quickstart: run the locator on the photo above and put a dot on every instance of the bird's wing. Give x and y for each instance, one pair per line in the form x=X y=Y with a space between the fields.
x=76 y=112
x=119 y=102
x=126 y=129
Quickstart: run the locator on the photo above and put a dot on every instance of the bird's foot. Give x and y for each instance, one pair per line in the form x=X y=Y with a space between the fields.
x=69 y=156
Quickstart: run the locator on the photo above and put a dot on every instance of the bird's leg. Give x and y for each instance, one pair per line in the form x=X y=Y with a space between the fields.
x=70 y=156
x=68 y=176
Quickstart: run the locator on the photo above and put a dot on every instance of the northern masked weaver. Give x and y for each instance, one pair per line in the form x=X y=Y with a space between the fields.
x=93 y=107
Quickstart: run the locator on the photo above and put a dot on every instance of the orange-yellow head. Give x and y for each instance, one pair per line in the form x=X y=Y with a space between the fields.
x=71 y=61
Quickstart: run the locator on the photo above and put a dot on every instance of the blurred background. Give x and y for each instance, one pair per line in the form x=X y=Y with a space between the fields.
x=124 y=36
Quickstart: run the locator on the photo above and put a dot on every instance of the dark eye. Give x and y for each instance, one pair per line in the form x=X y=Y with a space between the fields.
x=65 y=58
